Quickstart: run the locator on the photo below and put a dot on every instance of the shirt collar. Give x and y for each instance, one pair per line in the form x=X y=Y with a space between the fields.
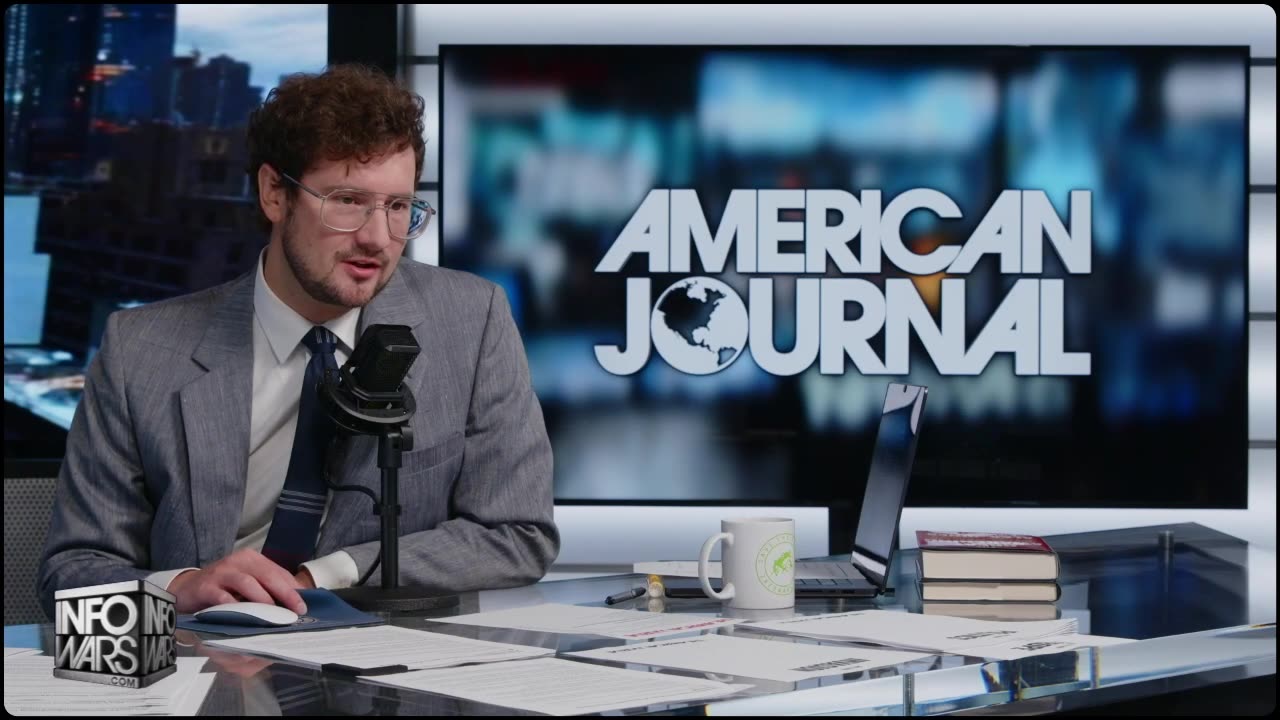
x=285 y=328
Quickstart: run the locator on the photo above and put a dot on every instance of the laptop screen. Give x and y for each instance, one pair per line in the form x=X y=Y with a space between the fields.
x=887 y=480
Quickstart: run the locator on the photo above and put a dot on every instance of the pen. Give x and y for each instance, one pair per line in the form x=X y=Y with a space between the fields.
x=625 y=596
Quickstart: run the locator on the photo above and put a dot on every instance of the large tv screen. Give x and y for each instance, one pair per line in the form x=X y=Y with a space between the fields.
x=719 y=256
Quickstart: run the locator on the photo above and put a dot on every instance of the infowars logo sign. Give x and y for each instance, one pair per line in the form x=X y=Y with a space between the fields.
x=120 y=634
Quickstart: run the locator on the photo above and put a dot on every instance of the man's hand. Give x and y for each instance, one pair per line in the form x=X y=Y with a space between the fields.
x=243 y=575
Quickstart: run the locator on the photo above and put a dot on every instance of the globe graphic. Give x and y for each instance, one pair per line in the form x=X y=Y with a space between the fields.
x=699 y=326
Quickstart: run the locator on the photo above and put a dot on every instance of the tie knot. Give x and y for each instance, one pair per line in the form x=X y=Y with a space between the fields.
x=320 y=339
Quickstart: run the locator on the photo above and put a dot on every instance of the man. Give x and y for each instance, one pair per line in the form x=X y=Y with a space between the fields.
x=197 y=457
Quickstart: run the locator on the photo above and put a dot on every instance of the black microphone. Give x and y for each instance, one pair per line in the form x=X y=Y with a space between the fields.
x=382 y=358
x=367 y=396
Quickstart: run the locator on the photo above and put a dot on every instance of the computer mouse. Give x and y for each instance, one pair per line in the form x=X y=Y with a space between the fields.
x=248 y=613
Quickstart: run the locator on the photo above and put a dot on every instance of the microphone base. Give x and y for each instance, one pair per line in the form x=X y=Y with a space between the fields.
x=397 y=600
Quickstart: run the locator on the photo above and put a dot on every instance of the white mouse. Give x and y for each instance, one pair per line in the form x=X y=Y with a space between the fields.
x=248 y=613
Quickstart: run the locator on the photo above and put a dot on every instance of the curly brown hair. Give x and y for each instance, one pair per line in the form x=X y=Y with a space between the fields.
x=347 y=112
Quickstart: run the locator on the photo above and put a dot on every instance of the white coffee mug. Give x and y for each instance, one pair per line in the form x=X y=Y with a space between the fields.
x=757 y=564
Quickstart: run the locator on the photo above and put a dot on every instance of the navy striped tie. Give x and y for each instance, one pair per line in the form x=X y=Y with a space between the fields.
x=291 y=540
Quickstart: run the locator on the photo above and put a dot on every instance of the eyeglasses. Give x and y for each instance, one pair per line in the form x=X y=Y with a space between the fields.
x=347 y=210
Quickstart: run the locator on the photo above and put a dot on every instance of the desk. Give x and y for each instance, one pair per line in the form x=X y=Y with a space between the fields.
x=1181 y=590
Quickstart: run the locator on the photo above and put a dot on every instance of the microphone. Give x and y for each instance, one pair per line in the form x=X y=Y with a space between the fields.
x=367 y=395
x=382 y=357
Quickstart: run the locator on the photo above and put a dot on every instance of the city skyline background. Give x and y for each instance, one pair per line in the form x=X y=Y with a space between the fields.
x=125 y=179
x=251 y=34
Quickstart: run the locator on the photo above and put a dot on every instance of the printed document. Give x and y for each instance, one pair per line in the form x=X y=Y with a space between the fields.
x=560 y=687
x=379 y=646
x=929 y=633
x=575 y=620
x=31 y=689
x=1045 y=646
x=779 y=660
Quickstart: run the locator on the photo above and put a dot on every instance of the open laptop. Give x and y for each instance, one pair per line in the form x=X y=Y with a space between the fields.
x=876 y=538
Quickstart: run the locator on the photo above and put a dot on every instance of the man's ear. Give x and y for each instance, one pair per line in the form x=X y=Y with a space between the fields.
x=271 y=194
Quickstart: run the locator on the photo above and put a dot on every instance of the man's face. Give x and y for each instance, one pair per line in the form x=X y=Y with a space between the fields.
x=346 y=269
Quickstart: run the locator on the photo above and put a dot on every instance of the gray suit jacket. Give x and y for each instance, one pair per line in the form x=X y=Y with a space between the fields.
x=156 y=464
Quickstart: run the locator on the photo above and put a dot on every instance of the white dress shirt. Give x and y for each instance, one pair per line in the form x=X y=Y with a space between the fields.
x=279 y=363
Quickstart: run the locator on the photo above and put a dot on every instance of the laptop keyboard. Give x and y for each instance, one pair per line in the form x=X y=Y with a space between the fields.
x=821 y=570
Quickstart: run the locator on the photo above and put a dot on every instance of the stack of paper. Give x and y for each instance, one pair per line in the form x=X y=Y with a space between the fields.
x=778 y=660
x=930 y=633
x=381 y=646
x=575 y=620
x=560 y=687
x=31 y=689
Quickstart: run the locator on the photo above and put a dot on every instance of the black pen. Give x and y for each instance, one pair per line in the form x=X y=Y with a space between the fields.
x=625 y=596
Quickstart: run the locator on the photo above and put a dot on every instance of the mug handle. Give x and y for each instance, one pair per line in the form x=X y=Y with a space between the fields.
x=704 y=558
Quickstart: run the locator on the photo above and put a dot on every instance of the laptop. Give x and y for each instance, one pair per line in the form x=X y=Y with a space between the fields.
x=876 y=537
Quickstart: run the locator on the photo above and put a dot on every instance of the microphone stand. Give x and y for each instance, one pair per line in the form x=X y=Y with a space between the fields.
x=391 y=443
x=386 y=415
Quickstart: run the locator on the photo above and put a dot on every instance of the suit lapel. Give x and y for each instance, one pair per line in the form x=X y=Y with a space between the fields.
x=354 y=460
x=216 y=413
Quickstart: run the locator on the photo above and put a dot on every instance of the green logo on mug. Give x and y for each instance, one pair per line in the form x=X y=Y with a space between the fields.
x=775 y=564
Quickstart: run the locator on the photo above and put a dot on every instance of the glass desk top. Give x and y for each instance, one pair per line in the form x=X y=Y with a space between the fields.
x=1182 y=591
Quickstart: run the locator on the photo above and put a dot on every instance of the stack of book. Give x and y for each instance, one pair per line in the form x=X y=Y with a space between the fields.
x=967 y=567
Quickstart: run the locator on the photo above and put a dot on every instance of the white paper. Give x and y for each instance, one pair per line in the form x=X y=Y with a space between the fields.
x=675 y=568
x=575 y=620
x=15 y=652
x=779 y=660
x=1046 y=645
x=560 y=687
x=378 y=646
x=804 y=570
x=930 y=633
x=31 y=689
